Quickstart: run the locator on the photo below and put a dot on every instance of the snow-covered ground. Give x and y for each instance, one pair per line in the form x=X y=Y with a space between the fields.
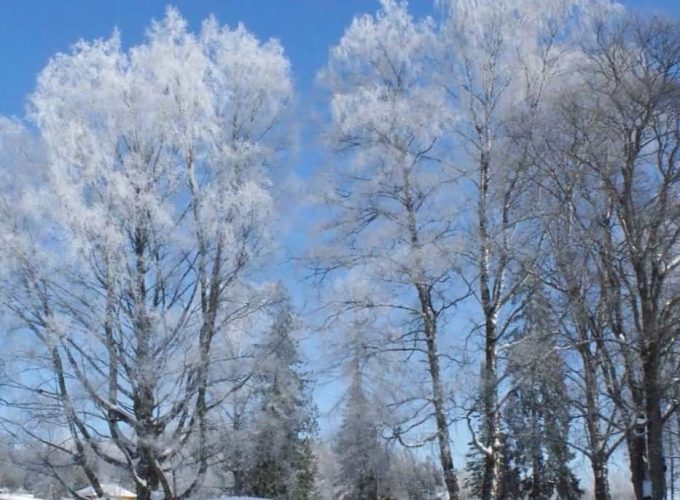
x=24 y=496
x=238 y=498
x=5 y=495
x=16 y=496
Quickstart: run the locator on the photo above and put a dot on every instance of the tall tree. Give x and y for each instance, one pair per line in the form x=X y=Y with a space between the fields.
x=576 y=290
x=390 y=225
x=130 y=260
x=497 y=61
x=622 y=137
x=538 y=413
x=638 y=69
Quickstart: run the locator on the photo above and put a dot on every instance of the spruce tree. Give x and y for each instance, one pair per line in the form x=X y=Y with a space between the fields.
x=476 y=458
x=283 y=465
x=362 y=456
x=537 y=416
x=417 y=479
x=510 y=477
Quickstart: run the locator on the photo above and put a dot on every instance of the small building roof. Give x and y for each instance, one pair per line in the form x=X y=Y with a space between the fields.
x=110 y=490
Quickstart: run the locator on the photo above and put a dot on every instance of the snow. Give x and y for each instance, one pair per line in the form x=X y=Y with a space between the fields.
x=238 y=498
x=16 y=496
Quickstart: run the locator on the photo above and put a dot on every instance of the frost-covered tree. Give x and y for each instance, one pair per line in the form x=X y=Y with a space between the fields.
x=363 y=459
x=573 y=284
x=613 y=149
x=390 y=231
x=535 y=429
x=475 y=466
x=537 y=416
x=283 y=427
x=476 y=459
x=416 y=479
x=499 y=60
x=126 y=258
x=637 y=117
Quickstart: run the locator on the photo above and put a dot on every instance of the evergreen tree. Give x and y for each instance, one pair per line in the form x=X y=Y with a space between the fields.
x=476 y=459
x=283 y=465
x=362 y=456
x=537 y=416
x=510 y=487
x=422 y=479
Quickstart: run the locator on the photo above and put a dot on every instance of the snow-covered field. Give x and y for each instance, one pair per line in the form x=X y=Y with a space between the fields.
x=16 y=496
x=238 y=498
x=23 y=496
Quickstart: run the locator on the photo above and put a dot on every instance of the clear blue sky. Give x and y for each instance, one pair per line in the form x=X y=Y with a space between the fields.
x=33 y=30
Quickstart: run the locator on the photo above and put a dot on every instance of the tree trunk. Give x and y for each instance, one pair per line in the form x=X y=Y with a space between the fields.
x=598 y=454
x=429 y=317
x=443 y=435
x=491 y=487
x=600 y=479
x=144 y=389
x=655 y=454
x=636 y=455
x=490 y=299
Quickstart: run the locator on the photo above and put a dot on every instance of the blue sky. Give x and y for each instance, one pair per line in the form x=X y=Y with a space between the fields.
x=33 y=30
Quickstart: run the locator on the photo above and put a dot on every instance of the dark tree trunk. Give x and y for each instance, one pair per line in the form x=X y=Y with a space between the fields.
x=655 y=451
